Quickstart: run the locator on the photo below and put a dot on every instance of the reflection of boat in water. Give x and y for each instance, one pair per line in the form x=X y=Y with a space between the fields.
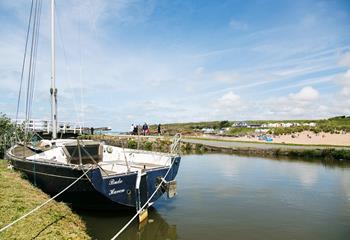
x=102 y=225
x=98 y=175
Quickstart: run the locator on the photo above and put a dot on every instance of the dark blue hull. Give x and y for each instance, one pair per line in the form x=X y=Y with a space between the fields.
x=93 y=191
x=122 y=188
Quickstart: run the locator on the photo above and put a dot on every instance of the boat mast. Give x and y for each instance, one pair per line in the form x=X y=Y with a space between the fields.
x=53 y=90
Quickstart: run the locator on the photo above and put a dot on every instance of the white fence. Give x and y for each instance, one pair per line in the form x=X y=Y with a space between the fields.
x=40 y=125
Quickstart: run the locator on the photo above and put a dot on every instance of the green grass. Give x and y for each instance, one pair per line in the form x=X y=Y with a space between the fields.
x=240 y=131
x=53 y=221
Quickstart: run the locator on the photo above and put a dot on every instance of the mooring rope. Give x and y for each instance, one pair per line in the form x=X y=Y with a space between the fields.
x=46 y=202
x=176 y=141
x=139 y=211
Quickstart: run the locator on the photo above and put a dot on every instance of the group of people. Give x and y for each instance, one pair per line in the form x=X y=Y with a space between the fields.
x=134 y=130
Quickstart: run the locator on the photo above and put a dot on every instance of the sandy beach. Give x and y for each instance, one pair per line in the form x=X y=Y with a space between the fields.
x=305 y=138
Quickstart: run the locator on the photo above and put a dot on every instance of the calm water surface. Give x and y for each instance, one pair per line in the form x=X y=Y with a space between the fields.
x=234 y=197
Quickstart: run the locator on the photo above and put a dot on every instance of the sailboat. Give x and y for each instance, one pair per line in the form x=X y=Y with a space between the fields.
x=90 y=174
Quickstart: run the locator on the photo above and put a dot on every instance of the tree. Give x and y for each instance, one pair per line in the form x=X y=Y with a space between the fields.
x=224 y=124
x=8 y=132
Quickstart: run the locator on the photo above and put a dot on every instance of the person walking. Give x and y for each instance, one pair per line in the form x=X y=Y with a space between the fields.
x=145 y=129
x=132 y=129
x=159 y=131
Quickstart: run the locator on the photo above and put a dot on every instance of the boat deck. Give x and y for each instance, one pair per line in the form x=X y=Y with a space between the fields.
x=120 y=167
x=110 y=167
x=145 y=165
x=20 y=151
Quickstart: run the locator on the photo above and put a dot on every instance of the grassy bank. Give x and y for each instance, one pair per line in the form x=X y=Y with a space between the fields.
x=53 y=221
x=326 y=154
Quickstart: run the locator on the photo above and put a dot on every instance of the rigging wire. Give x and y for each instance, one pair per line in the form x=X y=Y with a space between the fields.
x=32 y=86
x=32 y=39
x=32 y=62
x=30 y=65
x=37 y=31
x=24 y=60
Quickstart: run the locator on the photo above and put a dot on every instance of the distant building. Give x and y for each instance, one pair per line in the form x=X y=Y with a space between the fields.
x=240 y=124
x=312 y=124
x=208 y=130
x=287 y=125
x=272 y=125
x=246 y=125
x=254 y=125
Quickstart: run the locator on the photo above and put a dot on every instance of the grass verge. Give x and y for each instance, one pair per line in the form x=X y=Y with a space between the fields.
x=53 y=221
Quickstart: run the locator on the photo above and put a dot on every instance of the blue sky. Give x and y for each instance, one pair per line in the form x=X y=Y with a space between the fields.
x=123 y=62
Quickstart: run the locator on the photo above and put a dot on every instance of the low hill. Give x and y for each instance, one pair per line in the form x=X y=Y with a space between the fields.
x=332 y=125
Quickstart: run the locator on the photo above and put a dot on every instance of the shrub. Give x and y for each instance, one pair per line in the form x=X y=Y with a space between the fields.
x=8 y=132
x=148 y=146
x=316 y=130
x=132 y=144
x=224 y=124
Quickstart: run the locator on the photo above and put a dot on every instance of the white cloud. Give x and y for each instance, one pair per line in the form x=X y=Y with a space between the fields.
x=226 y=106
x=305 y=94
x=229 y=99
x=305 y=103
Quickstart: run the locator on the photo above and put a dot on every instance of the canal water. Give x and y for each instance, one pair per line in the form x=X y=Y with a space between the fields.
x=234 y=197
